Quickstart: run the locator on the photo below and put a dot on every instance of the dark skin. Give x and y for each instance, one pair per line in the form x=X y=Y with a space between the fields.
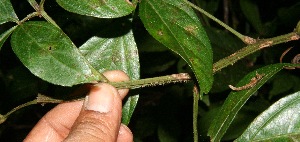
x=98 y=118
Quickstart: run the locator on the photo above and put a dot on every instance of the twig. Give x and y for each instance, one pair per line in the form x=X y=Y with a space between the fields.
x=39 y=8
x=29 y=16
x=261 y=44
x=181 y=77
x=195 y=112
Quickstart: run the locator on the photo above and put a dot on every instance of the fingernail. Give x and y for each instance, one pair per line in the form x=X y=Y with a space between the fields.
x=100 y=98
x=124 y=129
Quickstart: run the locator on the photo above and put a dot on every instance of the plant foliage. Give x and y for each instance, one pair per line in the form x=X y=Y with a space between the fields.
x=59 y=46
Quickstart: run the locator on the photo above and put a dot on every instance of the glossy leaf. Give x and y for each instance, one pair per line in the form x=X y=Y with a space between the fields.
x=117 y=51
x=237 y=99
x=49 y=54
x=99 y=8
x=7 y=13
x=174 y=24
x=5 y=35
x=280 y=122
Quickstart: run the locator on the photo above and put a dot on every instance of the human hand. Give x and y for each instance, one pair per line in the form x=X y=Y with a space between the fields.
x=98 y=118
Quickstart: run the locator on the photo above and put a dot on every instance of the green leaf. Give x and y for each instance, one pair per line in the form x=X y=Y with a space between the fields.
x=116 y=51
x=49 y=54
x=7 y=13
x=251 y=12
x=280 y=122
x=237 y=99
x=99 y=8
x=128 y=108
x=5 y=35
x=174 y=24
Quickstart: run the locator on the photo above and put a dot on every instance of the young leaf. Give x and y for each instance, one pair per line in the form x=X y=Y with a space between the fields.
x=115 y=52
x=280 y=122
x=49 y=54
x=7 y=13
x=5 y=35
x=175 y=25
x=99 y=8
x=237 y=99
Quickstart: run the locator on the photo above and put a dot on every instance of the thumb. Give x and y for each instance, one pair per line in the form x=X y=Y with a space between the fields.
x=100 y=117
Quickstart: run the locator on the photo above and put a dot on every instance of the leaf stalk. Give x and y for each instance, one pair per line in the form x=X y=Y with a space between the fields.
x=39 y=8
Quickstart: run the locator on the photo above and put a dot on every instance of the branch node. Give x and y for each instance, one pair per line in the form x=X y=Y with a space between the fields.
x=249 y=40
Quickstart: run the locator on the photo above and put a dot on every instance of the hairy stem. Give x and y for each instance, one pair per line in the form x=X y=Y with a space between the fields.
x=29 y=16
x=34 y=4
x=181 y=77
x=4 y=117
x=261 y=44
x=195 y=112
x=39 y=8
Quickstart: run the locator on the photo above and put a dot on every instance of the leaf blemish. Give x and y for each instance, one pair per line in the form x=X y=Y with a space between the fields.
x=190 y=29
x=251 y=84
x=160 y=32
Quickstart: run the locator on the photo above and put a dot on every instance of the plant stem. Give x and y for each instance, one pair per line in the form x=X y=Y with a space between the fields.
x=195 y=112
x=17 y=108
x=29 y=16
x=261 y=44
x=39 y=8
x=34 y=4
x=48 y=18
x=181 y=77
x=245 y=39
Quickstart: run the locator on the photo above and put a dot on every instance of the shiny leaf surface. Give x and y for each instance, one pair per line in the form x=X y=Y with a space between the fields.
x=49 y=54
x=237 y=99
x=174 y=24
x=280 y=122
x=98 y=8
